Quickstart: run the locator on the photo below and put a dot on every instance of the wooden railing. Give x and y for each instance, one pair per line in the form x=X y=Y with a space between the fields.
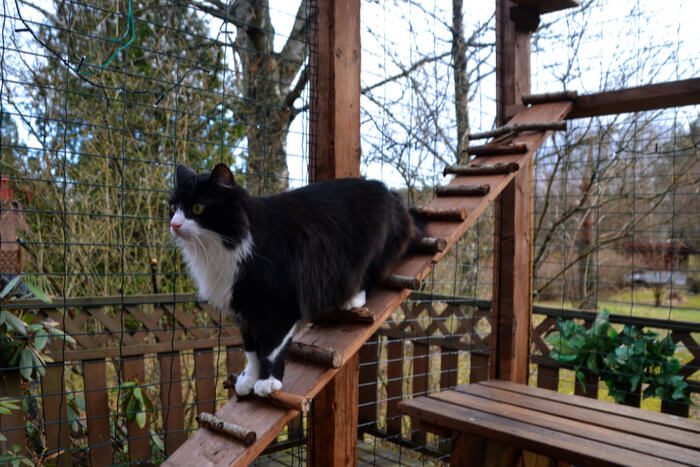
x=422 y=349
x=145 y=338
x=432 y=343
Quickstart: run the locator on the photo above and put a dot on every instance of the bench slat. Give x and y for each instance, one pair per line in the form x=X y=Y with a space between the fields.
x=586 y=415
x=569 y=426
x=666 y=420
x=525 y=436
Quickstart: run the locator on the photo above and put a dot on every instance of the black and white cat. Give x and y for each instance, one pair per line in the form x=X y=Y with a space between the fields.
x=278 y=260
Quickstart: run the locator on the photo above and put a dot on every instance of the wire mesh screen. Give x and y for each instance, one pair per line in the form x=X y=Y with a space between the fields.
x=99 y=103
x=425 y=84
x=616 y=213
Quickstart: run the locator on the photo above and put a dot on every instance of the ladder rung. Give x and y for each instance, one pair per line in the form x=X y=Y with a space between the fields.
x=431 y=245
x=485 y=169
x=314 y=353
x=531 y=99
x=497 y=149
x=396 y=281
x=441 y=214
x=462 y=190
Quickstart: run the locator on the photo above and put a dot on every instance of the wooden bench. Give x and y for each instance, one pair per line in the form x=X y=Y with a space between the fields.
x=503 y=423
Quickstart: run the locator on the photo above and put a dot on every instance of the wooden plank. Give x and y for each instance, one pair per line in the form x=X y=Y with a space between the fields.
x=205 y=375
x=97 y=412
x=55 y=403
x=637 y=99
x=559 y=445
x=479 y=367
x=334 y=444
x=449 y=362
x=663 y=420
x=421 y=368
x=467 y=450
x=367 y=418
x=589 y=387
x=235 y=363
x=173 y=411
x=585 y=415
x=144 y=349
x=547 y=377
x=139 y=438
x=394 y=386
x=570 y=426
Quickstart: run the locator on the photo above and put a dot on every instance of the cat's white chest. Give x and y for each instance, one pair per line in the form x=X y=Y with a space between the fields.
x=214 y=268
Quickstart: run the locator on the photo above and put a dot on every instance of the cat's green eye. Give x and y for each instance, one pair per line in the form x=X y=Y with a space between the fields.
x=197 y=209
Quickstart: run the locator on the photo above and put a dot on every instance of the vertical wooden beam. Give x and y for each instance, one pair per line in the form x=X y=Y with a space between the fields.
x=55 y=404
x=335 y=91
x=335 y=153
x=513 y=214
x=334 y=419
x=12 y=425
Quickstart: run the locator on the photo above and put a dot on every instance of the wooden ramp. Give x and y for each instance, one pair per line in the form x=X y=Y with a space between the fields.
x=206 y=448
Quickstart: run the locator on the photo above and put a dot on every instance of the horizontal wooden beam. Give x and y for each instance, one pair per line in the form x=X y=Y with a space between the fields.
x=547 y=6
x=650 y=97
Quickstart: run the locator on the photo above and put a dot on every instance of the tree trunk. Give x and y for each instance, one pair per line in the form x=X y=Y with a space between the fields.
x=459 y=58
x=267 y=156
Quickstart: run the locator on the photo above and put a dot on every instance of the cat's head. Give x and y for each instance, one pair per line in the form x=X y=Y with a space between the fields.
x=207 y=206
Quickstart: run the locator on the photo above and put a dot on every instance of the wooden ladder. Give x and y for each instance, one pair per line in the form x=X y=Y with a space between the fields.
x=456 y=207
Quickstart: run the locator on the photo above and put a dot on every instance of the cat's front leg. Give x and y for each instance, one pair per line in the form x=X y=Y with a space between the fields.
x=246 y=380
x=272 y=364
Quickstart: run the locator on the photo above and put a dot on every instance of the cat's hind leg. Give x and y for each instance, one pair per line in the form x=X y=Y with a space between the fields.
x=271 y=359
x=358 y=300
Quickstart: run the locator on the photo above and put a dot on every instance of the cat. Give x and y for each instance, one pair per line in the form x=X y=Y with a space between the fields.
x=277 y=261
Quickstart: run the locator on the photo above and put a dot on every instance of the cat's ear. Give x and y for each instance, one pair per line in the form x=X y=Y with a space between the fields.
x=221 y=175
x=183 y=173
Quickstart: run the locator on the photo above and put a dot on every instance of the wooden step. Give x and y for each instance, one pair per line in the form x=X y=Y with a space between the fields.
x=462 y=190
x=497 y=149
x=430 y=245
x=395 y=281
x=479 y=169
x=533 y=99
x=442 y=214
x=517 y=128
x=323 y=355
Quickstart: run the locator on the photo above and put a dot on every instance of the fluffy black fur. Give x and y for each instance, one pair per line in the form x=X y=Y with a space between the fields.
x=314 y=248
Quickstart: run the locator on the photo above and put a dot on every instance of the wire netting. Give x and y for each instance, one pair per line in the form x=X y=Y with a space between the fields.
x=616 y=212
x=100 y=102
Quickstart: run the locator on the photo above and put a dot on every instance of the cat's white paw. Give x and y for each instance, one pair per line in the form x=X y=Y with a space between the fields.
x=358 y=300
x=264 y=387
x=244 y=384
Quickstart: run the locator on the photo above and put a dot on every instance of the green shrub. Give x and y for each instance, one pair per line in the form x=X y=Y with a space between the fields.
x=626 y=361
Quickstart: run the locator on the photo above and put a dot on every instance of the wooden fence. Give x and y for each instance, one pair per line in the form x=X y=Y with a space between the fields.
x=432 y=343
x=144 y=337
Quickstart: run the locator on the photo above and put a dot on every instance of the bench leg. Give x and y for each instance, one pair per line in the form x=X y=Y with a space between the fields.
x=468 y=450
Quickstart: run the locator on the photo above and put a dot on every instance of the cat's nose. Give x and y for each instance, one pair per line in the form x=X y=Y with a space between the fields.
x=175 y=226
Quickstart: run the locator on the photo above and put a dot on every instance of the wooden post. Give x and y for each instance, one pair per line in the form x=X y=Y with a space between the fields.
x=335 y=153
x=335 y=91
x=334 y=419
x=513 y=214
